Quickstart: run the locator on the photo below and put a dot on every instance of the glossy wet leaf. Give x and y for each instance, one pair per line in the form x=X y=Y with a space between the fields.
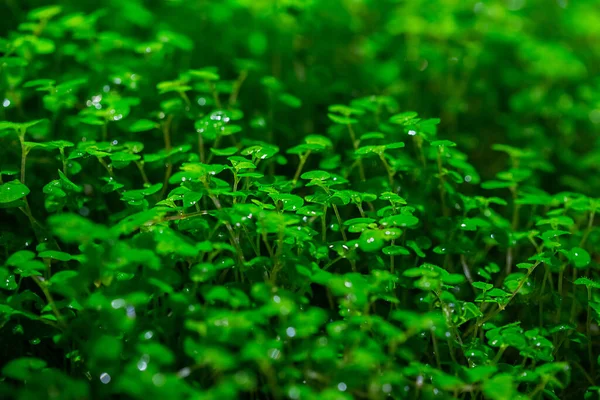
x=443 y=143
x=19 y=126
x=205 y=74
x=371 y=240
x=403 y=118
x=403 y=220
x=20 y=257
x=289 y=202
x=342 y=120
x=261 y=152
x=55 y=255
x=142 y=125
x=12 y=191
x=579 y=257
x=589 y=283
x=483 y=286
x=228 y=151
x=395 y=251
x=317 y=175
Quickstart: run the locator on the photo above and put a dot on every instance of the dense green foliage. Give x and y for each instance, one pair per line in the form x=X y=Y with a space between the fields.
x=256 y=199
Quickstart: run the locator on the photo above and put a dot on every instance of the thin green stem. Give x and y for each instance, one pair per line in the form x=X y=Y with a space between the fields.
x=64 y=161
x=185 y=98
x=588 y=229
x=23 y=159
x=235 y=241
x=339 y=219
x=278 y=259
x=499 y=354
x=236 y=88
x=574 y=302
x=445 y=209
x=303 y=159
x=214 y=146
x=392 y=266
x=360 y=210
x=588 y=324
x=324 y=224
x=107 y=167
x=585 y=373
x=50 y=300
x=140 y=165
x=215 y=94
x=390 y=170
x=166 y=130
x=541 y=312
x=355 y=146
x=466 y=269
x=201 y=147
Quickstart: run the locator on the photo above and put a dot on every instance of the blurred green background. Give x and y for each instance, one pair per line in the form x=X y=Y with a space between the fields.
x=519 y=72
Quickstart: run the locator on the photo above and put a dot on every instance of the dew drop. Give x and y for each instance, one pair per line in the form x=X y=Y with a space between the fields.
x=104 y=378
x=117 y=303
x=274 y=353
x=143 y=362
